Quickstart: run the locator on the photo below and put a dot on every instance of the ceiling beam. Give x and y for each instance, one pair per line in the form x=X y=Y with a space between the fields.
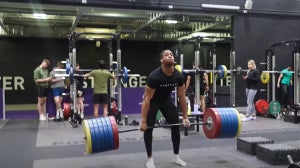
x=76 y=20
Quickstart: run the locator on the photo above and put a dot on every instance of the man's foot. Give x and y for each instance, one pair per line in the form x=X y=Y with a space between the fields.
x=43 y=117
x=178 y=161
x=150 y=163
x=81 y=115
x=253 y=118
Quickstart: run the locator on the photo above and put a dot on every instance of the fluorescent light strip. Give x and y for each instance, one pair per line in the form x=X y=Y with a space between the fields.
x=213 y=6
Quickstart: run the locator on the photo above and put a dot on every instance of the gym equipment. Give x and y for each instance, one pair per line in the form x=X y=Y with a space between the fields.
x=292 y=163
x=67 y=110
x=101 y=134
x=124 y=76
x=262 y=106
x=221 y=71
x=248 y=144
x=265 y=76
x=276 y=154
x=274 y=108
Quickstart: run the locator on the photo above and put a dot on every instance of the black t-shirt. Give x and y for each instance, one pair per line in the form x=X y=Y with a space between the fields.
x=252 y=80
x=164 y=84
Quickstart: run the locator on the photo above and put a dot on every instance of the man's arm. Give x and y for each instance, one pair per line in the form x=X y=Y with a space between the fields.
x=279 y=79
x=188 y=82
x=148 y=94
x=182 y=100
x=205 y=76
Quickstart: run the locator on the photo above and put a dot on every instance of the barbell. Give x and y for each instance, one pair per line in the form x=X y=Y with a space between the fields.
x=70 y=73
x=265 y=75
x=101 y=134
x=221 y=71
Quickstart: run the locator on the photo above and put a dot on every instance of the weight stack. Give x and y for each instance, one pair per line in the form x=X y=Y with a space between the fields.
x=248 y=144
x=276 y=154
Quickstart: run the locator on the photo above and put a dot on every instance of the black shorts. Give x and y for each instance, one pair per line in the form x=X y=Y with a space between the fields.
x=100 y=98
x=191 y=91
x=42 y=91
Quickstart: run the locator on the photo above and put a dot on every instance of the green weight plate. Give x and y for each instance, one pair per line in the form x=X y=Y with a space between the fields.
x=274 y=108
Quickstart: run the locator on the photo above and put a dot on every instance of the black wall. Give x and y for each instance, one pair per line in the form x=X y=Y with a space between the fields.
x=253 y=36
x=20 y=56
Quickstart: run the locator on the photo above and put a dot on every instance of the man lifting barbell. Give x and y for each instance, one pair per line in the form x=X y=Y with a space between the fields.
x=160 y=84
x=284 y=82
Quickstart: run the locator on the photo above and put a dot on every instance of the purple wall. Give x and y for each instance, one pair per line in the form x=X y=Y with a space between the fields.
x=131 y=99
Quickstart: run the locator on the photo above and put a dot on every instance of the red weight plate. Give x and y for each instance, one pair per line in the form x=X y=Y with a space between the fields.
x=115 y=131
x=212 y=130
x=262 y=106
x=67 y=110
x=113 y=107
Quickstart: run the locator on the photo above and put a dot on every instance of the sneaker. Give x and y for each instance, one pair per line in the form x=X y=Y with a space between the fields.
x=61 y=114
x=150 y=163
x=245 y=119
x=42 y=117
x=81 y=115
x=178 y=161
x=253 y=118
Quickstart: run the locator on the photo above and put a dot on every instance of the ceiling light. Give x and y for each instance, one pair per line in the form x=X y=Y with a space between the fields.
x=213 y=6
x=170 y=21
x=40 y=15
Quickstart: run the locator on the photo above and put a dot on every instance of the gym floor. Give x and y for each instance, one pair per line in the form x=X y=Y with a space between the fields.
x=30 y=143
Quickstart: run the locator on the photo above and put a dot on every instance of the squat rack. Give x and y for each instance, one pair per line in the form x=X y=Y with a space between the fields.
x=72 y=58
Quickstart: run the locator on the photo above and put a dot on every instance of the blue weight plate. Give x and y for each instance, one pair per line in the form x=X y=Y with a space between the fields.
x=93 y=138
x=235 y=122
x=125 y=75
x=110 y=136
x=101 y=141
x=226 y=123
x=97 y=136
x=105 y=134
x=223 y=123
x=231 y=120
x=232 y=131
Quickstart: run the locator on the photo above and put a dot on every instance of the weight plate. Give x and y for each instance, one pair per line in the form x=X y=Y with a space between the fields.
x=264 y=77
x=101 y=141
x=224 y=121
x=234 y=124
x=239 y=123
x=274 y=108
x=212 y=130
x=115 y=131
x=67 y=110
x=262 y=106
x=87 y=134
x=125 y=75
x=96 y=144
x=110 y=137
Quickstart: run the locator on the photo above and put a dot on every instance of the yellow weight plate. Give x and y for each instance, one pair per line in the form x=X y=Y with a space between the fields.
x=178 y=67
x=265 y=77
x=87 y=134
x=240 y=123
x=225 y=71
